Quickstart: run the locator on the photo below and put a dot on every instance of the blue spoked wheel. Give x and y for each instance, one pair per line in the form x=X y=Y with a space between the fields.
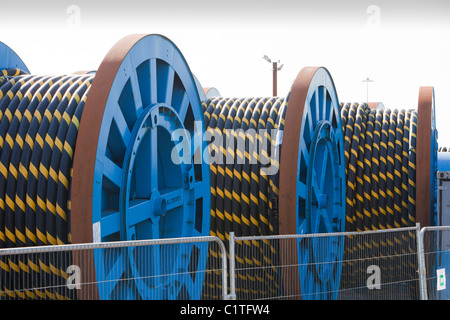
x=9 y=59
x=314 y=202
x=147 y=184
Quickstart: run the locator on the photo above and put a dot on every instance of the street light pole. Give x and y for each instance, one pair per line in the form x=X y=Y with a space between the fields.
x=367 y=80
x=275 y=70
x=274 y=85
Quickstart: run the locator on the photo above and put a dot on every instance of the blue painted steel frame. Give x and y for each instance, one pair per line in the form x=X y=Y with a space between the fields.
x=321 y=190
x=141 y=192
x=9 y=59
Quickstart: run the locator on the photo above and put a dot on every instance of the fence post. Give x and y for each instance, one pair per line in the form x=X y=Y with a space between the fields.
x=422 y=267
x=232 y=295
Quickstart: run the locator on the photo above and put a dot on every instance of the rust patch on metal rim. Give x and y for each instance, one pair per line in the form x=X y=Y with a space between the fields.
x=425 y=110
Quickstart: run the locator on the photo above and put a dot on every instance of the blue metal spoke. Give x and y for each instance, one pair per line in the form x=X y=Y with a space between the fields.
x=196 y=153
x=121 y=123
x=131 y=232
x=193 y=287
x=311 y=110
x=183 y=106
x=311 y=284
x=138 y=211
x=169 y=86
x=316 y=108
x=302 y=191
x=156 y=256
x=201 y=186
x=114 y=275
x=325 y=104
x=304 y=152
x=304 y=258
x=316 y=216
x=112 y=171
x=110 y=223
x=327 y=290
x=142 y=169
x=156 y=221
x=309 y=120
x=154 y=158
x=320 y=103
x=140 y=260
x=324 y=170
x=322 y=289
x=178 y=273
x=136 y=92
x=153 y=82
x=333 y=112
x=326 y=220
x=338 y=135
x=315 y=287
x=303 y=227
x=329 y=107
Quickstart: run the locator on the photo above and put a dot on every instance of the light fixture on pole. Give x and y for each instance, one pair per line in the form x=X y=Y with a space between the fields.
x=367 y=80
x=276 y=68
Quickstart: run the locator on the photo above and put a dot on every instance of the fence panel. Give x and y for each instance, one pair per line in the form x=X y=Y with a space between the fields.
x=367 y=265
x=149 y=269
x=436 y=256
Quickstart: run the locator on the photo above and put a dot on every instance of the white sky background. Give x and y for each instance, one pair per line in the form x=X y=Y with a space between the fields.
x=400 y=46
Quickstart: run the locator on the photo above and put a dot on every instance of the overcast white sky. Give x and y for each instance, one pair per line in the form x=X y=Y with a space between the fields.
x=401 y=45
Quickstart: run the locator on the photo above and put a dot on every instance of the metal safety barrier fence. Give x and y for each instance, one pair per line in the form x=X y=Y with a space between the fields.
x=380 y=264
x=148 y=269
x=392 y=264
x=434 y=256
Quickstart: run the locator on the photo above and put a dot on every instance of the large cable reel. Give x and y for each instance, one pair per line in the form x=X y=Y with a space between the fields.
x=401 y=146
x=391 y=165
x=125 y=185
x=313 y=132
x=304 y=195
x=152 y=77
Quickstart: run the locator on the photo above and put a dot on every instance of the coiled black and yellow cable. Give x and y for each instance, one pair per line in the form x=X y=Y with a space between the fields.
x=380 y=151
x=243 y=194
x=39 y=122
